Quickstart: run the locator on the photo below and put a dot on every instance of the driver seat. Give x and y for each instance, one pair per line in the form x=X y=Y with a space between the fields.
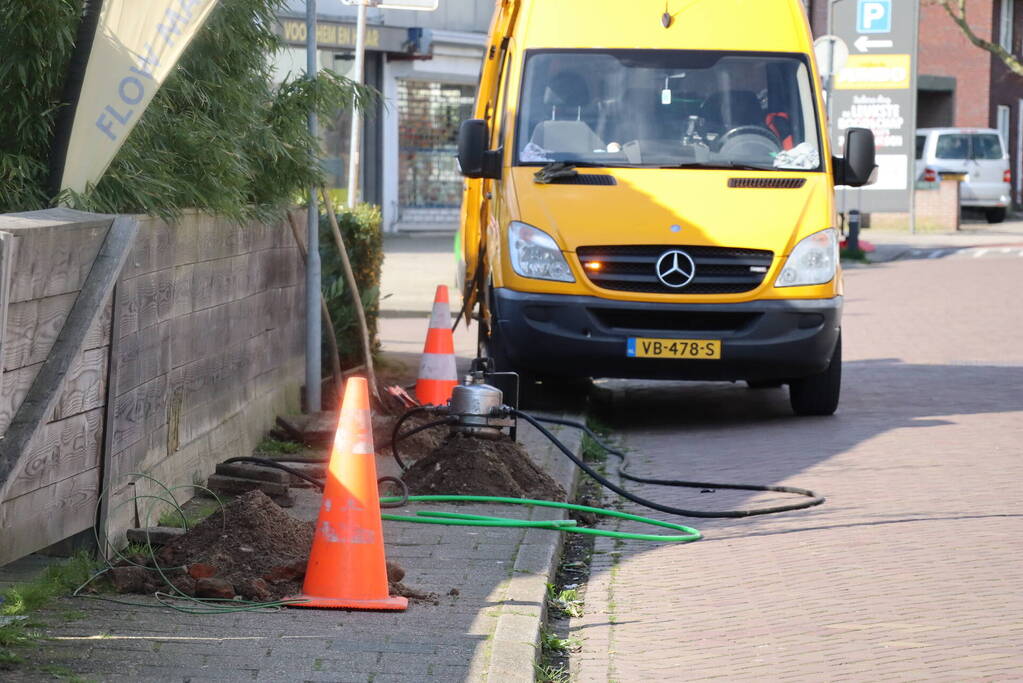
x=730 y=109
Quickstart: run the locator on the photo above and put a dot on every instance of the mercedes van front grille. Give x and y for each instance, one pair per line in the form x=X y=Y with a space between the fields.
x=633 y=268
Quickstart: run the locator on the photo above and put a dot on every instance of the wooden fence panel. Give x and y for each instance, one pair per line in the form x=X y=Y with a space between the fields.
x=50 y=410
x=182 y=363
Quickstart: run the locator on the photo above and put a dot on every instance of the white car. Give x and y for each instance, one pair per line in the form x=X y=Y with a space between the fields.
x=980 y=154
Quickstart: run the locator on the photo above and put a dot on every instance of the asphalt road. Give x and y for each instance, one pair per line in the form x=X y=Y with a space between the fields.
x=912 y=568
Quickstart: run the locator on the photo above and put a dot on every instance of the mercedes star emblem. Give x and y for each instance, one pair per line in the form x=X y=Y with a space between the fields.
x=675 y=269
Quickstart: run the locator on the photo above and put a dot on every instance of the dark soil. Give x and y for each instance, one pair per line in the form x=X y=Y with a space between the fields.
x=481 y=467
x=251 y=548
x=415 y=446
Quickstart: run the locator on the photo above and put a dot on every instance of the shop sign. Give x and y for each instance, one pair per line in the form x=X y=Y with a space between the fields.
x=332 y=34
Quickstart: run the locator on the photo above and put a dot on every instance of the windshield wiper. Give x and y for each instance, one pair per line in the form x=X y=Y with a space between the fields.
x=554 y=170
x=726 y=166
x=567 y=169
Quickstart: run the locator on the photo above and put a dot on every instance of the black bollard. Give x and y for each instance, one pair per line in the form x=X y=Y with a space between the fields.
x=852 y=243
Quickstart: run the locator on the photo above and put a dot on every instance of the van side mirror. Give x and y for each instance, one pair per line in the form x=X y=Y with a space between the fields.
x=856 y=168
x=474 y=159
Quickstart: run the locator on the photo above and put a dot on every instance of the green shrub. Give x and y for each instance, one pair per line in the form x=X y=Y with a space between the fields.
x=361 y=230
x=36 y=39
x=219 y=136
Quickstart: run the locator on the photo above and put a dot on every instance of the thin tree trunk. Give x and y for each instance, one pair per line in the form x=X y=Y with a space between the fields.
x=335 y=356
x=357 y=298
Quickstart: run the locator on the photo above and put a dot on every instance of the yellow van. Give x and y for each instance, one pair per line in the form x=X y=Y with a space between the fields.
x=649 y=194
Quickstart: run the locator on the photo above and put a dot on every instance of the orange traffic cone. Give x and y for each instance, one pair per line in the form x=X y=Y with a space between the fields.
x=437 y=374
x=346 y=567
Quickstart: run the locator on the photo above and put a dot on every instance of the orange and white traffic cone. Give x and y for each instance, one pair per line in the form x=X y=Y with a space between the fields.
x=347 y=568
x=437 y=374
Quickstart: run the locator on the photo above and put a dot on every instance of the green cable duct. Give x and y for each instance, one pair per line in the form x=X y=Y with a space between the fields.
x=567 y=525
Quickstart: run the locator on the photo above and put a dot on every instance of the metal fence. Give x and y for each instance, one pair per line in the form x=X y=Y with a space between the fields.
x=429 y=184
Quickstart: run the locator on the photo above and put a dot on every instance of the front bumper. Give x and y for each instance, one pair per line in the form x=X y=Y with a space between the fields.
x=582 y=336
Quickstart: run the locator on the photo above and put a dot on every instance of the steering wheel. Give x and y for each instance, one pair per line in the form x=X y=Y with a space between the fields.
x=751 y=142
x=747 y=130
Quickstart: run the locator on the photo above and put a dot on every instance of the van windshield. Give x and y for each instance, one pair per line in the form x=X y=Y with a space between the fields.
x=668 y=108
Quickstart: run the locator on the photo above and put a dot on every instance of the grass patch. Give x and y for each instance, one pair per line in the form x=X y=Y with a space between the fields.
x=143 y=549
x=551 y=674
x=567 y=601
x=857 y=255
x=58 y=579
x=191 y=514
x=275 y=446
x=25 y=598
x=554 y=644
x=62 y=673
x=592 y=452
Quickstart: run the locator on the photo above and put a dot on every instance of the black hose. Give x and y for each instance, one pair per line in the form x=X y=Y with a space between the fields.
x=815 y=499
x=380 y=447
x=416 y=430
x=397 y=426
x=404 y=492
x=266 y=462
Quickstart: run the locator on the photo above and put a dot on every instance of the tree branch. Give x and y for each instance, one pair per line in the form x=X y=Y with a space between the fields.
x=956 y=9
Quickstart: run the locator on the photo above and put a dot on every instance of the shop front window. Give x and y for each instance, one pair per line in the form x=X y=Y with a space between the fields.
x=429 y=183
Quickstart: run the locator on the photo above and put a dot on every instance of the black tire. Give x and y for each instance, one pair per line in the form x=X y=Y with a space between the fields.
x=818 y=394
x=763 y=383
x=491 y=346
x=995 y=215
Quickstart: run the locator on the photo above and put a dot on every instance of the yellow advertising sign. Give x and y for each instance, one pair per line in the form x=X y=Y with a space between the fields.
x=137 y=45
x=327 y=34
x=875 y=72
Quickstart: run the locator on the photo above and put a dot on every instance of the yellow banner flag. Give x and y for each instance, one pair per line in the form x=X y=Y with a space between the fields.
x=137 y=44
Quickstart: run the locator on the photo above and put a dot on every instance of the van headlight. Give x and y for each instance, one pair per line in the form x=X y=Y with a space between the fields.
x=535 y=254
x=813 y=261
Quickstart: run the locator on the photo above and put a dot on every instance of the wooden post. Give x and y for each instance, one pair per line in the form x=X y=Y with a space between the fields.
x=354 y=288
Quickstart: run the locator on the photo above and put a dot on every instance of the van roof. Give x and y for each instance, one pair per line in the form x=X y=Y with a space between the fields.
x=748 y=25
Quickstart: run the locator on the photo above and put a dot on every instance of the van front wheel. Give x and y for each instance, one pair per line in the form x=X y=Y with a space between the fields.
x=818 y=394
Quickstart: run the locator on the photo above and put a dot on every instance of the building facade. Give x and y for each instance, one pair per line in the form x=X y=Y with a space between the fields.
x=426 y=66
x=959 y=84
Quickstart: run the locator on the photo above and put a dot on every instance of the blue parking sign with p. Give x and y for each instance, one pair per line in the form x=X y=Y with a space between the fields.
x=874 y=16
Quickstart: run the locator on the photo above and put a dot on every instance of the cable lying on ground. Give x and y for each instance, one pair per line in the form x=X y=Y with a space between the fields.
x=622 y=472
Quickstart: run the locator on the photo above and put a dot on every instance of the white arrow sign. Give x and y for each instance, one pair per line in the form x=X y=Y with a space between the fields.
x=863 y=43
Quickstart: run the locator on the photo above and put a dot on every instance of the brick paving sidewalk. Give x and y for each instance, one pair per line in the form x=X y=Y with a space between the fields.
x=487 y=631
x=910 y=571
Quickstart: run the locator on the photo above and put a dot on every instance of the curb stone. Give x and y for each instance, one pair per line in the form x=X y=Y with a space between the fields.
x=515 y=648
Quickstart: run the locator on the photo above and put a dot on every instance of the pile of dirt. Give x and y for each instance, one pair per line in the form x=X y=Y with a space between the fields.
x=251 y=548
x=470 y=466
x=415 y=446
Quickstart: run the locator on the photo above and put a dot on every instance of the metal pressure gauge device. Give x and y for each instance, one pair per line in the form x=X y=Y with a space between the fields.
x=479 y=408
